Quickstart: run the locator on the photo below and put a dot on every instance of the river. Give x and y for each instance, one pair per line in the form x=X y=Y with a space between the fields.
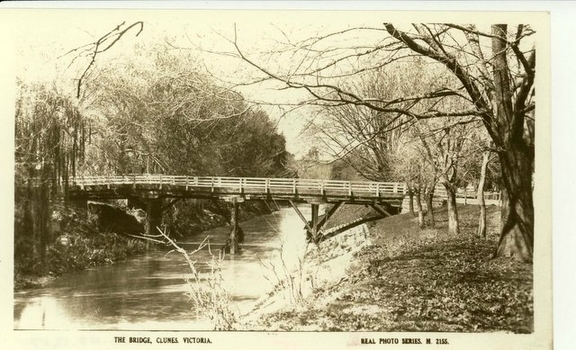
x=148 y=292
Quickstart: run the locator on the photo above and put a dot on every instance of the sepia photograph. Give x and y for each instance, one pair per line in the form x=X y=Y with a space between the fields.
x=307 y=178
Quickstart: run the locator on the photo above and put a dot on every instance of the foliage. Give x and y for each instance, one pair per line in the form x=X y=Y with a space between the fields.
x=50 y=139
x=85 y=251
x=192 y=216
x=311 y=166
x=160 y=114
x=51 y=135
x=369 y=139
x=342 y=170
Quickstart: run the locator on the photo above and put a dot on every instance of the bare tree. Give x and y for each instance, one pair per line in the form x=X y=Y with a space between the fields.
x=494 y=73
x=370 y=136
x=444 y=148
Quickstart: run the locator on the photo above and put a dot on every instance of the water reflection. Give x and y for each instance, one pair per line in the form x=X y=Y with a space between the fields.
x=149 y=292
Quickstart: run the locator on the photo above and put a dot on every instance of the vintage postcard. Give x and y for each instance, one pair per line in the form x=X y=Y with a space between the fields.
x=289 y=178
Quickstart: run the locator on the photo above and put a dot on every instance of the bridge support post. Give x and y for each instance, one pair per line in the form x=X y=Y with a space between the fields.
x=236 y=235
x=153 y=216
x=234 y=230
x=314 y=222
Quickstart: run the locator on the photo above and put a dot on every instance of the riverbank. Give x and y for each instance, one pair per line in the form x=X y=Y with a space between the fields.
x=76 y=244
x=388 y=275
x=80 y=241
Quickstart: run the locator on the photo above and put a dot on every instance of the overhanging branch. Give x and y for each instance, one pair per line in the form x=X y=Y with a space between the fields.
x=101 y=45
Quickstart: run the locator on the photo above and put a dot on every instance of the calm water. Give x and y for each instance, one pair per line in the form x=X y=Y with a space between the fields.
x=149 y=292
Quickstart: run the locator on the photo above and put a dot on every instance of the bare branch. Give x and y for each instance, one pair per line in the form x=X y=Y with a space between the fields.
x=450 y=63
x=101 y=45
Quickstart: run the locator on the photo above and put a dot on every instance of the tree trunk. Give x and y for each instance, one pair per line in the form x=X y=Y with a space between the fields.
x=513 y=134
x=480 y=195
x=419 y=208
x=430 y=206
x=453 y=224
x=517 y=220
x=153 y=218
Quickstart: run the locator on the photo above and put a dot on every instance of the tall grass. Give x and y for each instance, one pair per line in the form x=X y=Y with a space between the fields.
x=288 y=279
x=207 y=293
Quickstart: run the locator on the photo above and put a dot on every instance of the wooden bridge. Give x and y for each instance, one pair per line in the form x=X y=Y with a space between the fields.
x=298 y=190
x=153 y=189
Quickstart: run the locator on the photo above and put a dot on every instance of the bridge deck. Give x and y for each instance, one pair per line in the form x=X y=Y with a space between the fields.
x=168 y=186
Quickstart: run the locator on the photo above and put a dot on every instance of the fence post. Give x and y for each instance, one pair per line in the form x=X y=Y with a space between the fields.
x=350 y=188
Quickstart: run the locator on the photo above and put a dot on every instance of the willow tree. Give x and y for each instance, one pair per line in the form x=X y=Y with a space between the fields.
x=50 y=139
x=494 y=71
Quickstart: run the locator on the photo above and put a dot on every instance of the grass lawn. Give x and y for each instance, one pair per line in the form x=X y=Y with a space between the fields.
x=422 y=280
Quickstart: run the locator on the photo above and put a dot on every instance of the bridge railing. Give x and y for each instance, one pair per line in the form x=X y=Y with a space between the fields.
x=249 y=184
x=440 y=192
